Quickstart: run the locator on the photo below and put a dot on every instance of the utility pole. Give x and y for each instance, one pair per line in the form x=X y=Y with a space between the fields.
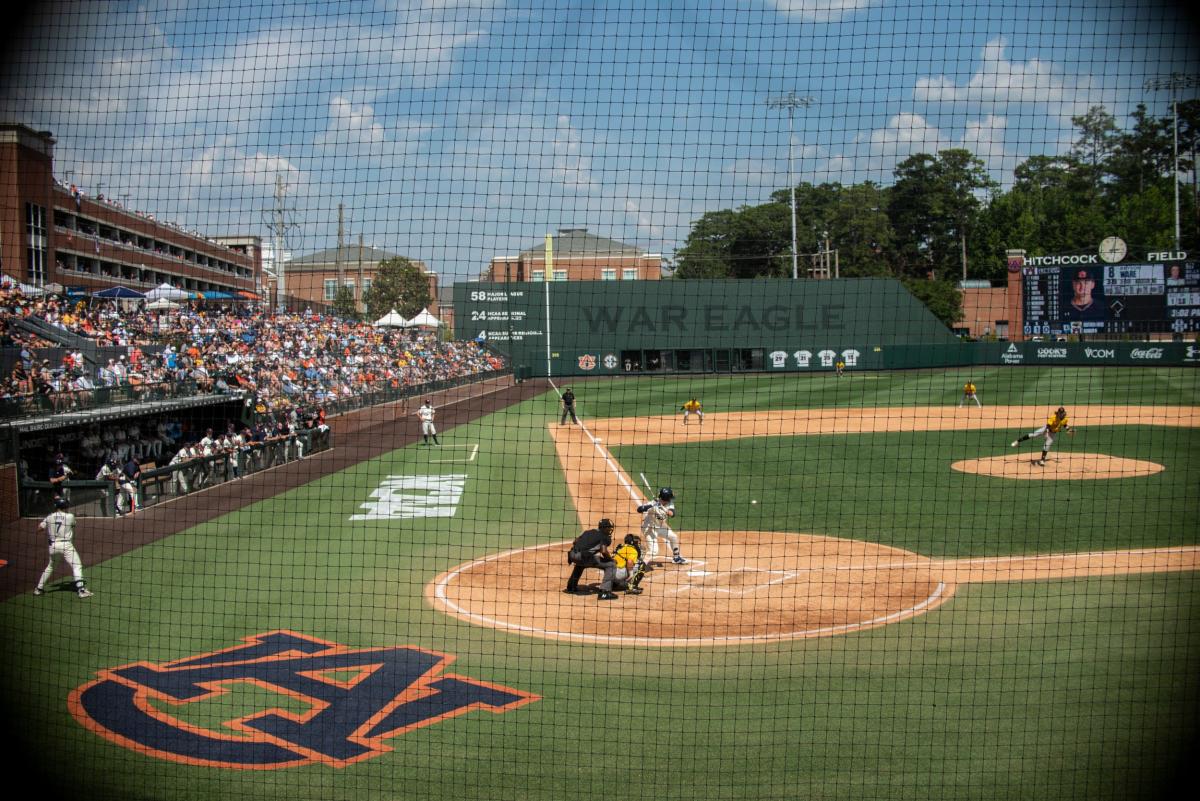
x=278 y=225
x=791 y=101
x=1174 y=83
x=337 y=259
x=362 y=295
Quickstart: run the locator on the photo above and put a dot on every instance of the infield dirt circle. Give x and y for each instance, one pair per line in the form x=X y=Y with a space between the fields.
x=756 y=586
x=750 y=586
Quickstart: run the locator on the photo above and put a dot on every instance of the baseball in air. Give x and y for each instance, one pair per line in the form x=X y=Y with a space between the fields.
x=753 y=502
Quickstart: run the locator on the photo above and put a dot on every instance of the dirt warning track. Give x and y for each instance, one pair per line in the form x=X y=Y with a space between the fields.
x=745 y=587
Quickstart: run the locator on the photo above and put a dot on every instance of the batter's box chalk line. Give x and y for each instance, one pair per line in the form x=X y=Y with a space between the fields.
x=770 y=578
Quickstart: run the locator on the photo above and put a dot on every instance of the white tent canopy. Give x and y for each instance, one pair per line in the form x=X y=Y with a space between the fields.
x=160 y=304
x=392 y=319
x=167 y=292
x=423 y=320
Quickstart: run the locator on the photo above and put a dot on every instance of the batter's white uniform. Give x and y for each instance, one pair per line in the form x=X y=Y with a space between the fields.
x=654 y=525
x=60 y=526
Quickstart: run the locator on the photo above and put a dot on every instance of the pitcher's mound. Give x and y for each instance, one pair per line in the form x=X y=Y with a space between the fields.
x=1059 y=466
x=737 y=588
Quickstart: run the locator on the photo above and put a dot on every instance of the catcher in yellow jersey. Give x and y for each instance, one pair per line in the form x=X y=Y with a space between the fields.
x=630 y=567
x=693 y=406
x=1055 y=424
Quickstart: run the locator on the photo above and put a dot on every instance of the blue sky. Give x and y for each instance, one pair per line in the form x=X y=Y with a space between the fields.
x=454 y=131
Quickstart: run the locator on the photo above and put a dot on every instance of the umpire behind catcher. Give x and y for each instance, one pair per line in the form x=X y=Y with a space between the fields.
x=590 y=549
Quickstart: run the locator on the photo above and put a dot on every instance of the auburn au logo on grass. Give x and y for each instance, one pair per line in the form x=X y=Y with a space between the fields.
x=357 y=698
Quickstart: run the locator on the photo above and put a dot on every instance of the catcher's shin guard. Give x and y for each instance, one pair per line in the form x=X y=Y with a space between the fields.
x=638 y=574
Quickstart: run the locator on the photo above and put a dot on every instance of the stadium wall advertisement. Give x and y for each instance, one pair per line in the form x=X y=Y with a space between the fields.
x=607 y=328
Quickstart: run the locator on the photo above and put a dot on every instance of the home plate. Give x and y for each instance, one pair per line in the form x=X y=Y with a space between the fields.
x=698 y=573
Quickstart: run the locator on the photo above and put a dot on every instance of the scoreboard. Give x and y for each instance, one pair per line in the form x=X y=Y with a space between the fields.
x=1111 y=298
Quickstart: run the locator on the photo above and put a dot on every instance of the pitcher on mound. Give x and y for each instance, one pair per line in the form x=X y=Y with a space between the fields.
x=654 y=525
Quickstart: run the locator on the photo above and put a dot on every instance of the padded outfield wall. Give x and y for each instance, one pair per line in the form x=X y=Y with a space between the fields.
x=611 y=327
x=585 y=327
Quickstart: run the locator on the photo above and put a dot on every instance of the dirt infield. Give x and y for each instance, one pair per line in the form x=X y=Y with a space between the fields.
x=754 y=586
x=1069 y=466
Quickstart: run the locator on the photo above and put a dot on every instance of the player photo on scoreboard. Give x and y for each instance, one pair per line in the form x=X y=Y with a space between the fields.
x=1083 y=294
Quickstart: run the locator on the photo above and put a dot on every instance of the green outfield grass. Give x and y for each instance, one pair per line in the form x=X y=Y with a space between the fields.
x=1085 y=688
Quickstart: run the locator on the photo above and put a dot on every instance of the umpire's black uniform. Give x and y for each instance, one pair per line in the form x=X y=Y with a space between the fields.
x=568 y=408
x=590 y=549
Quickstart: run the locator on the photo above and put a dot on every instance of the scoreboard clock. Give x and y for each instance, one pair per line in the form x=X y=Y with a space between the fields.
x=1113 y=249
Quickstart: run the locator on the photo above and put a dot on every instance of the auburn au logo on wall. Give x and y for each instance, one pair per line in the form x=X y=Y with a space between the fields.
x=357 y=699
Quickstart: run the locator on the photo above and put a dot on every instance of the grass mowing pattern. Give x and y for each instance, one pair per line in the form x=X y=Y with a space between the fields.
x=1051 y=689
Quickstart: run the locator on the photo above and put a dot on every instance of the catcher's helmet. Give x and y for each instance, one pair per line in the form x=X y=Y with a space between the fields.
x=61 y=503
x=666 y=494
x=634 y=540
x=1061 y=412
x=605 y=523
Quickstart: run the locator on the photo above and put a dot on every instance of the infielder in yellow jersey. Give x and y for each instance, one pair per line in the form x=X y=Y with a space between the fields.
x=969 y=394
x=1055 y=423
x=693 y=406
x=630 y=567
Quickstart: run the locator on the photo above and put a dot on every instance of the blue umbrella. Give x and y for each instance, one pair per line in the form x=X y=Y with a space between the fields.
x=118 y=292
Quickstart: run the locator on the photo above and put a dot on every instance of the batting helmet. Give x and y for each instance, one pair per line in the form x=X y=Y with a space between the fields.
x=61 y=503
x=666 y=494
x=605 y=523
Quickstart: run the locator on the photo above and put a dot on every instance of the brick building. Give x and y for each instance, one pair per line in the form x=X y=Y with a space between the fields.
x=315 y=277
x=578 y=256
x=51 y=233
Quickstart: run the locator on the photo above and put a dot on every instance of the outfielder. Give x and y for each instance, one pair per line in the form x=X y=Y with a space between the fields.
x=60 y=526
x=969 y=394
x=1054 y=424
x=425 y=415
x=654 y=525
x=693 y=406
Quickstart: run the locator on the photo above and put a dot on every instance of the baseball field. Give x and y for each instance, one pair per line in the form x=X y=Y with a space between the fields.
x=883 y=599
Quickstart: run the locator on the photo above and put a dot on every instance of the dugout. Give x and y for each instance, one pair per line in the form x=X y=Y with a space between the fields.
x=35 y=441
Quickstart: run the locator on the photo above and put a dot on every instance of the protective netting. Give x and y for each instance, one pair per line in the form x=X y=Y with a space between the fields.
x=475 y=400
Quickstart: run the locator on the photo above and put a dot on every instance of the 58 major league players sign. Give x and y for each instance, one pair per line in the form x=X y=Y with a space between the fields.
x=360 y=698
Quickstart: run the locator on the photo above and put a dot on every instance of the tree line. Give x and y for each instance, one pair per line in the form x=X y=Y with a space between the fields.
x=944 y=218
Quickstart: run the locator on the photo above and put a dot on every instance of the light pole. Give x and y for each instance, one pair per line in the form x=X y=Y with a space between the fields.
x=791 y=101
x=1173 y=83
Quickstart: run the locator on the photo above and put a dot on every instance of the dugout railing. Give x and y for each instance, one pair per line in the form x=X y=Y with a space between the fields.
x=160 y=484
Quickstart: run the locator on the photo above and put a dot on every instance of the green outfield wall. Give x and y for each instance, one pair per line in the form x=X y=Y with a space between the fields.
x=612 y=327
x=582 y=327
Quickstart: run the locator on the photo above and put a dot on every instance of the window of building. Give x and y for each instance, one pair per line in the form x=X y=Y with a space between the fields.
x=538 y=275
x=366 y=286
x=35 y=250
x=330 y=288
x=608 y=274
x=629 y=274
x=560 y=275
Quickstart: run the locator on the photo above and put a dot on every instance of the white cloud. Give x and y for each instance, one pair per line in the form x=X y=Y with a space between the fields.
x=822 y=10
x=224 y=166
x=1000 y=82
x=572 y=166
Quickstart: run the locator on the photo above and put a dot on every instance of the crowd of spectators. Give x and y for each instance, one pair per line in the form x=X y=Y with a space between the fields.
x=289 y=367
x=280 y=361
